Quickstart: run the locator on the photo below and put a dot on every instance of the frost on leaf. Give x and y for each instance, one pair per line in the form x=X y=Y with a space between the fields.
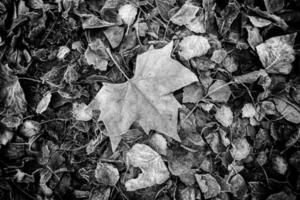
x=208 y=185
x=276 y=54
x=106 y=174
x=44 y=103
x=219 y=91
x=146 y=98
x=288 y=111
x=248 y=110
x=95 y=55
x=224 y=115
x=128 y=13
x=192 y=93
x=12 y=97
x=82 y=112
x=193 y=46
x=185 y=14
x=240 y=149
x=154 y=170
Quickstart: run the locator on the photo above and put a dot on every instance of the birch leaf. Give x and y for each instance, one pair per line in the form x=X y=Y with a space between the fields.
x=154 y=170
x=208 y=185
x=277 y=53
x=289 y=112
x=224 y=115
x=146 y=98
x=219 y=91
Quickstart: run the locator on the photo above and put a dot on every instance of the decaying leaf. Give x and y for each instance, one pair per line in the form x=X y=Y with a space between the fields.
x=154 y=171
x=106 y=174
x=96 y=55
x=192 y=93
x=114 y=35
x=185 y=14
x=219 y=91
x=238 y=186
x=279 y=164
x=288 y=111
x=193 y=46
x=224 y=115
x=219 y=55
x=44 y=103
x=12 y=97
x=146 y=98
x=30 y=128
x=208 y=185
x=164 y=6
x=240 y=149
x=127 y=13
x=277 y=53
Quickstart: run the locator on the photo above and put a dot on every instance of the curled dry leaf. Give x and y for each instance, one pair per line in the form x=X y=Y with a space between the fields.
x=219 y=91
x=154 y=170
x=208 y=185
x=96 y=55
x=127 y=13
x=224 y=115
x=240 y=149
x=193 y=46
x=106 y=174
x=146 y=98
x=288 y=111
x=277 y=53
x=44 y=103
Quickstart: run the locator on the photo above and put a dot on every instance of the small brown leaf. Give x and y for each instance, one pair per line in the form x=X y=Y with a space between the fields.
x=193 y=46
x=154 y=171
x=208 y=185
x=288 y=111
x=219 y=91
x=106 y=174
x=224 y=115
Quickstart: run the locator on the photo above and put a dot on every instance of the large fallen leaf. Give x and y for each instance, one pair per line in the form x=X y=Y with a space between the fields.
x=154 y=170
x=146 y=98
x=208 y=185
x=277 y=53
x=288 y=111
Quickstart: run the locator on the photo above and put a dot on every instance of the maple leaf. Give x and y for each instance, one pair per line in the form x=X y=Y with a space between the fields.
x=146 y=98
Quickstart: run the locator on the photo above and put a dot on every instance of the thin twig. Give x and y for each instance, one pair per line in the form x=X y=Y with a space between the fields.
x=119 y=67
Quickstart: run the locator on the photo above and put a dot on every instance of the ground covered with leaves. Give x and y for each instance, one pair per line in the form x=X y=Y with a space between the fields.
x=149 y=99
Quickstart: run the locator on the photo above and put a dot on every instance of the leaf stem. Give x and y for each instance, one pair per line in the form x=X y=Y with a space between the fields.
x=113 y=59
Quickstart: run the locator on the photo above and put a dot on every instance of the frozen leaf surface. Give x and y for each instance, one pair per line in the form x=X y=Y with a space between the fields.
x=240 y=149
x=288 y=111
x=185 y=14
x=193 y=46
x=219 y=91
x=106 y=174
x=224 y=115
x=208 y=185
x=44 y=103
x=146 y=98
x=277 y=53
x=154 y=170
x=128 y=13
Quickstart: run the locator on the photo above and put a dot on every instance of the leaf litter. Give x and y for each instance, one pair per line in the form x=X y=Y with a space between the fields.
x=149 y=99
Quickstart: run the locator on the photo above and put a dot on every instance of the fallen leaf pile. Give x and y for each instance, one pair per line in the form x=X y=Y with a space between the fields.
x=149 y=99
